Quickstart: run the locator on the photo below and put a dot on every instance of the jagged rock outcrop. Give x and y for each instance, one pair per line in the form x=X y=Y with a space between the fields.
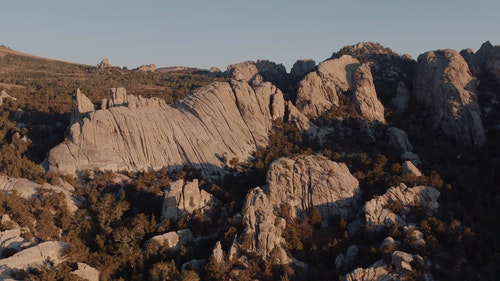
x=492 y=65
x=392 y=207
x=104 y=64
x=410 y=168
x=183 y=198
x=402 y=99
x=319 y=91
x=222 y=119
x=262 y=233
x=147 y=68
x=302 y=67
x=301 y=184
x=365 y=96
x=313 y=180
x=444 y=84
x=12 y=240
x=255 y=72
x=369 y=274
x=174 y=239
x=86 y=272
x=477 y=60
x=26 y=189
x=387 y=67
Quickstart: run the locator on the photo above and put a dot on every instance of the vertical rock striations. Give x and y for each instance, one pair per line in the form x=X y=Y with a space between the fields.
x=444 y=84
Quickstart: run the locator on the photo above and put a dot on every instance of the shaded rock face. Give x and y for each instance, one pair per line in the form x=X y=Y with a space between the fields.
x=492 y=65
x=402 y=100
x=174 y=239
x=183 y=198
x=301 y=183
x=302 y=67
x=387 y=67
x=319 y=91
x=217 y=123
x=477 y=60
x=388 y=209
x=399 y=139
x=444 y=84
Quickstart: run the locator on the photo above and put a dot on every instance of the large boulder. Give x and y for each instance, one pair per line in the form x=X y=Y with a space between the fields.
x=219 y=122
x=313 y=181
x=173 y=240
x=444 y=84
x=477 y=60
x=183 y=198
x=391 y=207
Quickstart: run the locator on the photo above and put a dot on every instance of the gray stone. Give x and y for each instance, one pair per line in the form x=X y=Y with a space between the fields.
x=302 y=67
x=402 y=99
x=410 y=168
x=365 y=96
x=402 y=260
x=492 y=65
x=399 y=139
x=444 y=84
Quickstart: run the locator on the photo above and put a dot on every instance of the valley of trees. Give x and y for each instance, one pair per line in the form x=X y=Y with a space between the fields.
x=114 y=222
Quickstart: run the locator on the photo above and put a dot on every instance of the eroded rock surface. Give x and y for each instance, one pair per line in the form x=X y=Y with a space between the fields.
x=217 y=123
x=444 y=84
x=492 y=65
x=390 y=208
x=302 y=67
x=319 y=91
x=183 y=198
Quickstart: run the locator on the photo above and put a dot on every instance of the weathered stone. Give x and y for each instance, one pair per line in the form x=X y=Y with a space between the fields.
x=410 y=156
x=218 y=254
x=319 y=90
x=368 y=274
x=410 y=168
x=365 y=96
x=83 y=106
x=86 y=272
x=33 y=257
x=104 y=64
x=477 y=60
x=231 y=119
x=388 y=245
x=313 y=180
x=174 y=239
x=380 y=214
x=11 y=239
x=4 y=96
x=444 y=84
x=399 y=139
x=402 y=260
x=147 y=68
x=261 y=235
x=302 y=67
x=402 y=99
x=492 y=65
x=183 y=198
x=26 y=189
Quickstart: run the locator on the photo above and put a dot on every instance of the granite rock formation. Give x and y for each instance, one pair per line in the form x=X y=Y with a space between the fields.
x=477 y=60
x=217 y=123
x=319 y=91
x=183 y=198
x=388 y=209
x=492 y=65
x=302 y=67
x=444 y=84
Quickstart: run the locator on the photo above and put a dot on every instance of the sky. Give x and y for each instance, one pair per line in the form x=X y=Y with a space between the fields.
x=206 y=33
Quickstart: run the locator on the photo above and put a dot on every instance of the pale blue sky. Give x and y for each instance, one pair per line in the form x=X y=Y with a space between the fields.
x=221 y=32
